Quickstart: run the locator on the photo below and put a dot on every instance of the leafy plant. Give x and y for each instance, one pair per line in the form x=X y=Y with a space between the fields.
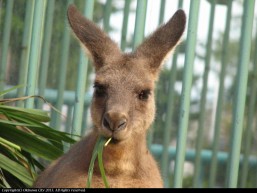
x=24 y=138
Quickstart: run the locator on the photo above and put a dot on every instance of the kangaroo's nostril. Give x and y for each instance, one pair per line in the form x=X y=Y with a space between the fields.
x=114 y=121
x=122 y=124
x=106 y=123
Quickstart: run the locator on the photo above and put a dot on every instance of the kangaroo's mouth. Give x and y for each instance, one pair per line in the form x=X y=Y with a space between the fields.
x=114 y=141
x=116 y=136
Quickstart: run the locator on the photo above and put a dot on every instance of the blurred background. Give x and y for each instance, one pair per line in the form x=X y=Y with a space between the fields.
x=219 y=41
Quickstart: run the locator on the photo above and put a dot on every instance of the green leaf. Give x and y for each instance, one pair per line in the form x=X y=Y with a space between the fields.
x=16 y=169
x=43 y=130
x=9 y=144
x=30 y=142
x=37 y=114
x=2 y=93
x=16 y=123
x=5 y=183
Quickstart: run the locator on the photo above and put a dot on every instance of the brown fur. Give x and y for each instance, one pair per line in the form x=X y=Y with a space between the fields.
x=122 y=108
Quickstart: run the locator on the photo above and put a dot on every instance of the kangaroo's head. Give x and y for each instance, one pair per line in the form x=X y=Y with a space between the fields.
x=123 y=105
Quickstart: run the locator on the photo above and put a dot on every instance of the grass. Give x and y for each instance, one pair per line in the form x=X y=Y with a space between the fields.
x=98 y=152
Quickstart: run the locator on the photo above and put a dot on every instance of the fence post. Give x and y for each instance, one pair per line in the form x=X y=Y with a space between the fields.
x=107 y=15
x=125 y=25
x=6 y=40
x=56 y=123
x=34 y=57
x=200 y=131
x=140 y=22
x=170 y=104
x=242 y=75
x=82 y=78
x=218 y=114
x=46 y=50
x=185 y=96
x=249 y=130
x=26 y=42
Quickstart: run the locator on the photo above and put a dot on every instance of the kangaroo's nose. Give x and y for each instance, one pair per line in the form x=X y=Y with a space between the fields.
x=114 y=121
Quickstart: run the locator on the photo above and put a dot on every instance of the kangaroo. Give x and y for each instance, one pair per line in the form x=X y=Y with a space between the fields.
x=122 y=107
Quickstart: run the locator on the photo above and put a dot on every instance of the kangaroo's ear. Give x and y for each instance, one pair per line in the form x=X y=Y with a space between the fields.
x=158 y=45
x=100 y=48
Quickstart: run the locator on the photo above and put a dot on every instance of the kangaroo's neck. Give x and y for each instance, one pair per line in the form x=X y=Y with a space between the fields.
x=125 y=157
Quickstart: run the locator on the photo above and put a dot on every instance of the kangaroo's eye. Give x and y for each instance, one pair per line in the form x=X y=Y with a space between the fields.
x=144 y=94
x=100 y=90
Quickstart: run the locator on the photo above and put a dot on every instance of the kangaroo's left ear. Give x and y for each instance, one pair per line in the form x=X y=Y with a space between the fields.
x=158 y=45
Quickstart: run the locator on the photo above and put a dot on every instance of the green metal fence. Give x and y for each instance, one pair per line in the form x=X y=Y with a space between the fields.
x=206 y=139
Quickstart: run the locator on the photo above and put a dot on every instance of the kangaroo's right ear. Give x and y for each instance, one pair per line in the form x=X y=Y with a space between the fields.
x=162 y=41
x=98 y=44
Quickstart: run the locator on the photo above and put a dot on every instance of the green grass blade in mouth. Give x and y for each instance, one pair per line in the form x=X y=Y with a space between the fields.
x=92 y=163
x=98 y=151
x=100 y=161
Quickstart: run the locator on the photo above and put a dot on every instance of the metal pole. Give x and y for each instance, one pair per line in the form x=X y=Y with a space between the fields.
x=185 y=95
x=170 y=105
x=34 y=57
x=249 y=133
x=26 y=42
x=242 y=75
x=81 y=81
x=46 y=49
x=107 y=14
x=140 y=22
x=200 y=131
x=6 y=40
x=125 y=24
x=162 y=11
x=56 y=123
x=218 y=114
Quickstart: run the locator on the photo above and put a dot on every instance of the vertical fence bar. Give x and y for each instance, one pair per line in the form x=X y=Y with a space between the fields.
x=249 y=133
x=170 y=105
x=255 y=182
x=46 y=50
x=140 y=26
x=81 y=81
x=68 y=122
x=167 y=129
x=26 y=41
x=56 y=123
x=34 y=57
x=200 y=131
x=242 y=75
x=150 y=134
x=84 y=122
x=162 y=11
x=168 y=122
x=125 y=25
x=140 y=22
x=6 y=40
x=218 y=114
x=107 y=15
x=185 y=96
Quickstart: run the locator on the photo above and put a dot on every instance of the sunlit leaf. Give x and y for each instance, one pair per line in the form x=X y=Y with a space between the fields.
x=9 y=144
x=37 y=114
